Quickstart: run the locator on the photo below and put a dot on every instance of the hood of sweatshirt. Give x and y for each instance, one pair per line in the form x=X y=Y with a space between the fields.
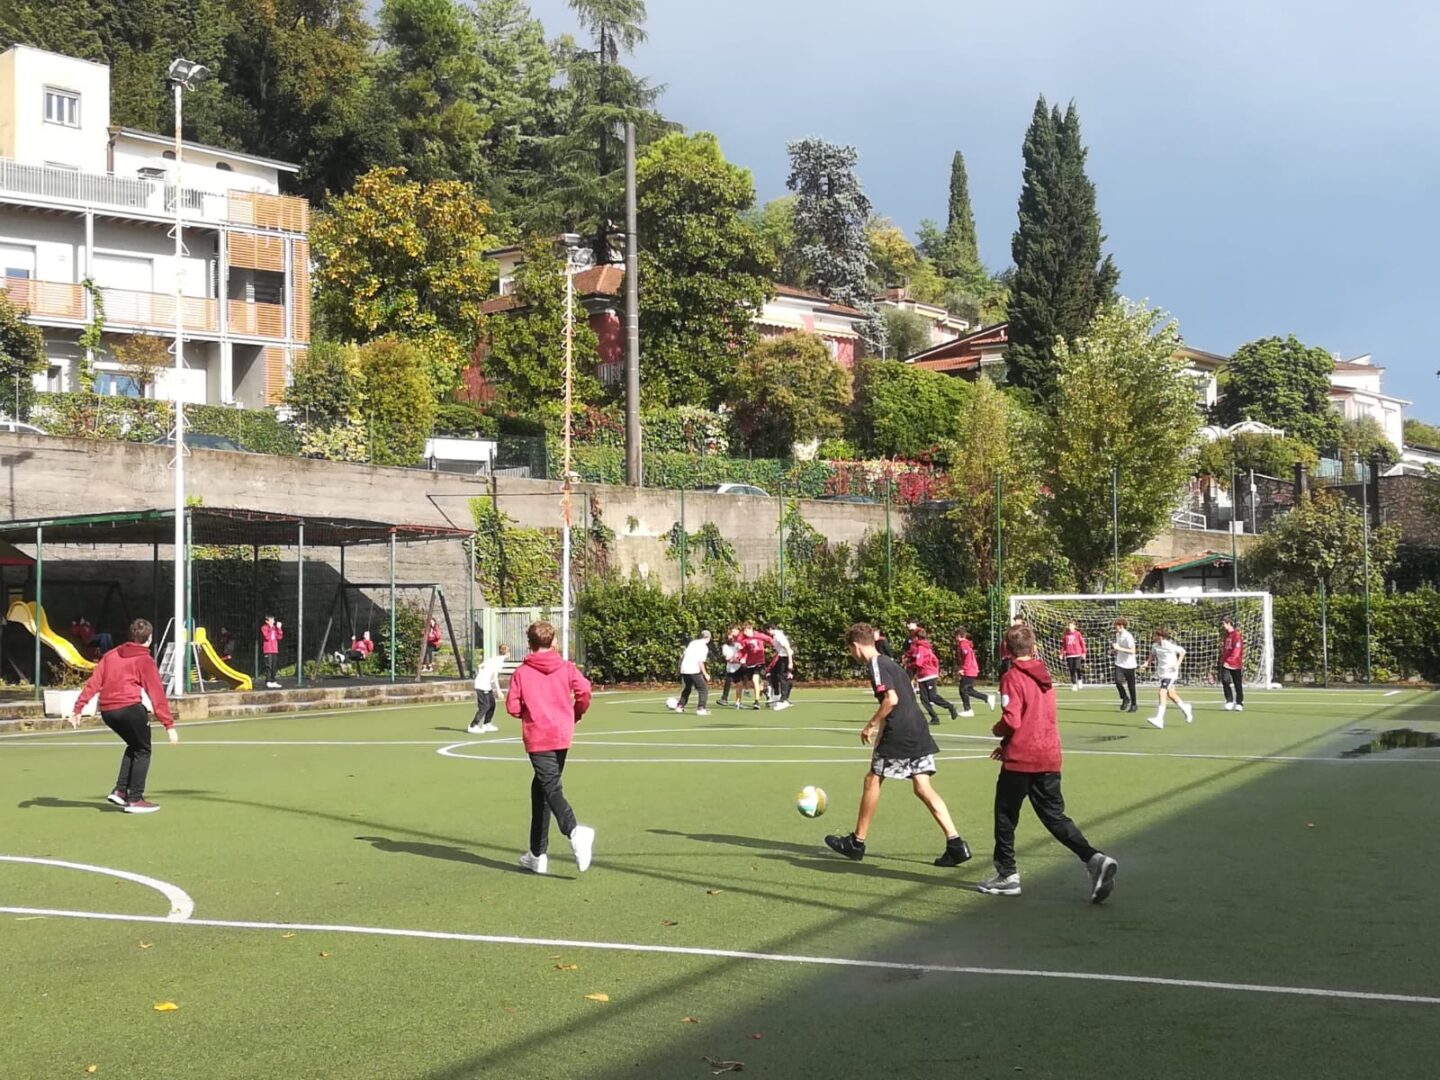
x=132 y=649
x=1036 y=669
x=545 y=662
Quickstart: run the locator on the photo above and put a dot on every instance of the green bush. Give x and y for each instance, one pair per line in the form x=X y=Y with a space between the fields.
x=462 y=420
x=256 y=430
x=92 y=416
x=1404 y=635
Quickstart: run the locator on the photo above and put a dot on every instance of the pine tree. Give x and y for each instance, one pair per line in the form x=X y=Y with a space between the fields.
x=1060 y=280
x=961 y=244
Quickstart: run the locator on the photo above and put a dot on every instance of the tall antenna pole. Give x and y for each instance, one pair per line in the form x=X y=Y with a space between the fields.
x=565 y=555
x=634 y=468
x=181 y=639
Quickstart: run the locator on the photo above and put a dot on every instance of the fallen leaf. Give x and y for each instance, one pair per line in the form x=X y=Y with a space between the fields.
x=689 y=1019
x=323 y=955
x=718 y=1067
x=757 y=1035
x=713 y=892
x=597 y=997
x=147 y=944
x=567 y=967
x=668 y=922
x=511 y=1010
x=557 y=956
x=288 y=935
x=165 y=1006
x=91 y=1068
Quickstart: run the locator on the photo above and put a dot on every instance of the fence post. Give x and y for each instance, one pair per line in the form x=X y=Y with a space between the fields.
x=781 y=527
x=39 y=589
x=889 y=498
x=300 y=604
x=1324 y=637
x=684 y=545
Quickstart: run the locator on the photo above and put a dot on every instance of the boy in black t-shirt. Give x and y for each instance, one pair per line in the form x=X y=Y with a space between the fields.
x=904 y=750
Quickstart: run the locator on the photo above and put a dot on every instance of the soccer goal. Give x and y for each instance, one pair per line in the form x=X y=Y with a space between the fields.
x=1193 y=619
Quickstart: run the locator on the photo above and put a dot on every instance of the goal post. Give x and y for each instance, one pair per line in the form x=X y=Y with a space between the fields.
x=1193 y=619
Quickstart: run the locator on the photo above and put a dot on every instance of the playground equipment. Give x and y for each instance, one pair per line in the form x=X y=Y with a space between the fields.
x=211 y=664
x=22 y=612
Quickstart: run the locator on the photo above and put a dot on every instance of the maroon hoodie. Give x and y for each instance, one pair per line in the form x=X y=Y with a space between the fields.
x=120 y=676
x=1029 y=735
x=549 y=695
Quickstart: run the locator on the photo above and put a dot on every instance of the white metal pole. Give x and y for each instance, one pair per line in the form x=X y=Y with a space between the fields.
x=182 y=635
x=565 y=485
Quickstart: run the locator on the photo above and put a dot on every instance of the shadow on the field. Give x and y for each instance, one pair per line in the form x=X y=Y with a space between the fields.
x=804 y=856
x=755 y=842
x=50 y=802
x=444 y=852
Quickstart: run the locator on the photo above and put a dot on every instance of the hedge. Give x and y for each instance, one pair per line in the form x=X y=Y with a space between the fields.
x=1404 y=636
x=93 y=416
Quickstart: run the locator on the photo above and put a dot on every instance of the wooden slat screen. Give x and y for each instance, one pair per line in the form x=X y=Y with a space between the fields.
x=257 y=252
x=300 y=288
x=275 y=374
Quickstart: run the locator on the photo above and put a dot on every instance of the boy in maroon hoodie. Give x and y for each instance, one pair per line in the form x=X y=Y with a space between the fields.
x=549 y=696
x=1029 y=753
x=120 y=678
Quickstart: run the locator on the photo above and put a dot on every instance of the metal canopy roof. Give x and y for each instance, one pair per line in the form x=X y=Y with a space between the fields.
x=210 y=525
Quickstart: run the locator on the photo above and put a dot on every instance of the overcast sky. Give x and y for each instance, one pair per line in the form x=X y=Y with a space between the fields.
x=1263 y=166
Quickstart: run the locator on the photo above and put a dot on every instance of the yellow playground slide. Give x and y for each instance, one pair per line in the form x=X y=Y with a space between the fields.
x=216 y=668
x=23 y=612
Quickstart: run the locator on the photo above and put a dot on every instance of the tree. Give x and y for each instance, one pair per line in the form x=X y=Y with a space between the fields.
x=142 y=357
x=1269 y=455
x=326 y=397
x=1419 y=433
x=397 y=257
x=894 y=257
x=299 y=83
x=775 y=222
x=1322 y=541
x=525 y=357
x=904 y=411
x=1060 y=281
x=399 y=408
x=788 y=390
x=961 y=241
x=1364 y=439
x=1121 y=401
x=906 y=331
x=22 y=356
x=704 y=271
x=831 y=215
x=1283 y=383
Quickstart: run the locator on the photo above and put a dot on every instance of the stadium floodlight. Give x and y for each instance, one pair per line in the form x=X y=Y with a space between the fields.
x=184 y=74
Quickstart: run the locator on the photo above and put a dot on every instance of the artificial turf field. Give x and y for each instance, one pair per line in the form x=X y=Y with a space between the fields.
x=1278 y=881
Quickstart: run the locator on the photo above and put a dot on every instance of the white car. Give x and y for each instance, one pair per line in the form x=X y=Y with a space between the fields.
x=734 y=489
x=15 y=427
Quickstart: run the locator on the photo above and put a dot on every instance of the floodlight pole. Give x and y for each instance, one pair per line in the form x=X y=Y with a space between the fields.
x=634 y=472
x=1365 y=551
x=565 y=554
x=1115 y=527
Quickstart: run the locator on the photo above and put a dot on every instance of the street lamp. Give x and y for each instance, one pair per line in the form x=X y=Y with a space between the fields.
x=183 y=75
x=573 y=250
x=1365 y=548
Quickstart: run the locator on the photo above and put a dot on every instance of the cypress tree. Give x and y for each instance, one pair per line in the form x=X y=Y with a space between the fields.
x=1060 y=280
x=962 y=247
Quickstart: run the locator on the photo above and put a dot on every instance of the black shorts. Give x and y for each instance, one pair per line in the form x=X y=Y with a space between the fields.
x=749 y=672
x=1166 y=684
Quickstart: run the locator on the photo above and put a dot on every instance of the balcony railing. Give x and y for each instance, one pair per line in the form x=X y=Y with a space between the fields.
x=157 y=310
x=153 y=197
x=54 y=299
x=257 y=319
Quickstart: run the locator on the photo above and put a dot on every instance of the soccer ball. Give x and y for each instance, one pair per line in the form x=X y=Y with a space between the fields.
x=672 y=703
x=811 y=801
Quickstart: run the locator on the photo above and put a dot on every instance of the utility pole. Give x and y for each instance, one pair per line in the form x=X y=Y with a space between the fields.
x=634 y=469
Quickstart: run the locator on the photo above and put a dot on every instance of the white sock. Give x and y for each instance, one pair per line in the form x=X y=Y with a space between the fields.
x=1160 y=712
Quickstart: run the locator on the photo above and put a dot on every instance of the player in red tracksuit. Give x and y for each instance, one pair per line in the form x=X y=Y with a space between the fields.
x=968 y=664
x=1030 y=760
x=752 y=660
x=432 y=646
x=924 y=668
x=549 y=696
x=1072 y=647
x=1232 y=666
x=123 y=678
x=271 y=632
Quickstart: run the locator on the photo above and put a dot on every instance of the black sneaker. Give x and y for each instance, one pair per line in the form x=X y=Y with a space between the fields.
x=1101 y=868
x=1124 y=706
x=847 y=846
x=954 y=714
x=955 y=853
x=934 y=720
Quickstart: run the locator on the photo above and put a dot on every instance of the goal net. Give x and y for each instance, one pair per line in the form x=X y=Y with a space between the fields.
x=1193 y=620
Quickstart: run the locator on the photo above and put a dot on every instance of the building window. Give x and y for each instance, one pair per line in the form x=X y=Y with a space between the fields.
x=168 y=155
x=62 y=107
x=111 y=384
x=223 y=167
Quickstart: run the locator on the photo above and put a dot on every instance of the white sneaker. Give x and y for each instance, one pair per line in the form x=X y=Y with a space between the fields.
x=1079 y=684
x=1188 y=713
x=1229 y=706
x=990 y=700
x=1156 y=721
x=1001 y=885
x=676 y=709
x=780 y=705
x=582 y=842
x=537 y=864
x=475 y=729
x=965 y=714
x=702 y=712
x=1074 y=686
x=1239 y=708
x=488 y=728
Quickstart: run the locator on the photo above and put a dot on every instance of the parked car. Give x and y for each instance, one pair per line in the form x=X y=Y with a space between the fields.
x=195 y=440
x=17 y=427
x=847 y=499
x=734 y=489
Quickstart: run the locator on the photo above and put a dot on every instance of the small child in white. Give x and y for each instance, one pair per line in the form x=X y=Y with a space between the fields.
x=694 y=676
x=488 y=692
x=1167 y=655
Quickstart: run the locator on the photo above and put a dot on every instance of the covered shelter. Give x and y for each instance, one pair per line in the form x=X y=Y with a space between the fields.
x=220 y=528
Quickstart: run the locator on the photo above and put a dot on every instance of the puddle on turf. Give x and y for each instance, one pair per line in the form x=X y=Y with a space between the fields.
x=1396 y=739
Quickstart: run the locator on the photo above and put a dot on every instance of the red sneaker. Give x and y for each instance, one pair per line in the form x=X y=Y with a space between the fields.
x=118 y=797
x=140 y=806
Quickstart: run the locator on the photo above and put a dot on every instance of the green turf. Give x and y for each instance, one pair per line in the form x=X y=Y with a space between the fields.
x=1313 y=873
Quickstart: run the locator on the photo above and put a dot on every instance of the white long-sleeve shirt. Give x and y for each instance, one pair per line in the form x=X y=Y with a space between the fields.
x=694 y=657
x=488 y=677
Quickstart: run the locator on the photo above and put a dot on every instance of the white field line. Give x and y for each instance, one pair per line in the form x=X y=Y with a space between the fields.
x=1392 y=693
x=739 y=954
x=181 y=906
x=304 y=714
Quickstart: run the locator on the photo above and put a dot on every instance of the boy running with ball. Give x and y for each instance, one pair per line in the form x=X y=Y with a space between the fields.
x=904 y=750
x=1030 y=759
x=1167 y=656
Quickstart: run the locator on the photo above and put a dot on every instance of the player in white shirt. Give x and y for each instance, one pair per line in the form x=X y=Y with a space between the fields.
x=1126 y=661
x=782 y=671
x=694 y=676
x=1167 y=656
x=488 y=692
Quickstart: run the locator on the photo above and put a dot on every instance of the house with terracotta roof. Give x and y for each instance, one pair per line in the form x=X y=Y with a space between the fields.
x=1206 y=571
x=793 y=311
x=967 y=356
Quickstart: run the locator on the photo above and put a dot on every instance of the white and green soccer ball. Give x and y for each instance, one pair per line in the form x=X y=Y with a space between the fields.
x=811 y=801
x=672 y=703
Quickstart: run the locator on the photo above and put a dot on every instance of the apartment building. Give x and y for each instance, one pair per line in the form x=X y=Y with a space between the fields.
x=84 y=201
